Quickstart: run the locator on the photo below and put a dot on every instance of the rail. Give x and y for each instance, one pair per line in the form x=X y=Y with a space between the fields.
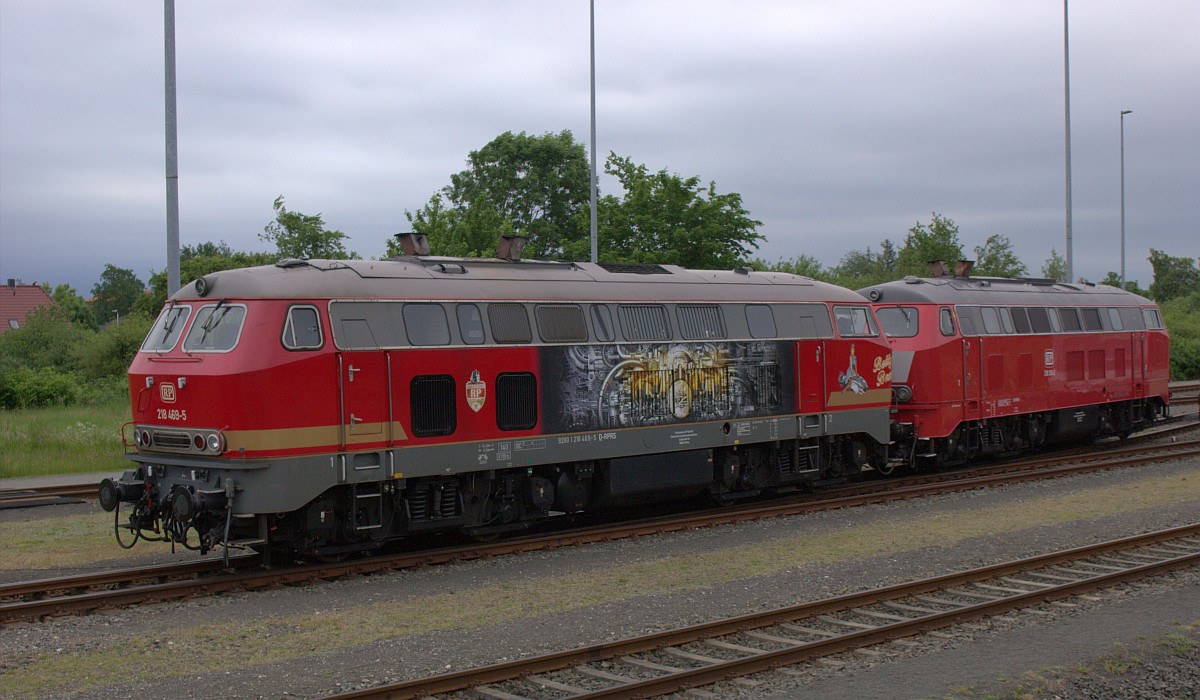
x=688 y=657
x=75 y=594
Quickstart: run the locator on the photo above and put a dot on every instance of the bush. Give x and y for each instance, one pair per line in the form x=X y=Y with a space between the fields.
x=28 y=388
x=103 y=391
x=109 y=352
x=1182 y=316
x=48 y=339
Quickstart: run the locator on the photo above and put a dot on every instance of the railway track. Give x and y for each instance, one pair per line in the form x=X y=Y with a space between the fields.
x=47 y=495
x=1182 y=392
x=689 y=657
x=84 y=593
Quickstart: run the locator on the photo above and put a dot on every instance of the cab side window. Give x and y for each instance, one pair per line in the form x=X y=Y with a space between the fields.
x=946 y=321
x=302 y=329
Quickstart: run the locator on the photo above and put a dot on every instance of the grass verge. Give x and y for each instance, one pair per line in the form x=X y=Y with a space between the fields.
x=1109 y=675
x=62 y=440
x=38 y=546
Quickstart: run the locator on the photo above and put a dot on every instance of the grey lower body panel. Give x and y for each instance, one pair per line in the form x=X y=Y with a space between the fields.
x=287 y=484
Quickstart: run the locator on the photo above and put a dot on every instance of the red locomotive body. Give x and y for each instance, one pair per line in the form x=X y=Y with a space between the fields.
x=322 y=407
x=987 y=365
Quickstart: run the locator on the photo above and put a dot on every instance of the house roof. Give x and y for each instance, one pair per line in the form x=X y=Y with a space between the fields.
x=17 y=301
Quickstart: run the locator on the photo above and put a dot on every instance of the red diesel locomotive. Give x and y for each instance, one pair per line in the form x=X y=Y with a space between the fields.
x=321 y=407
x=985 y=365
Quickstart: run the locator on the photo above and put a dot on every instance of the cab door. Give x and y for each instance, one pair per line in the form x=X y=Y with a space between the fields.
x=1138 y=363
x=810 y=376
x=972 y=379
x=364 y=383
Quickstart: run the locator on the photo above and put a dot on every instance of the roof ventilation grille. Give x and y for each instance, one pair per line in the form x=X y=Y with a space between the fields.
x=635 y=268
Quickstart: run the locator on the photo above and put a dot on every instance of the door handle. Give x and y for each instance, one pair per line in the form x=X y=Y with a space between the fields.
x=355 y=419
x=351 y=370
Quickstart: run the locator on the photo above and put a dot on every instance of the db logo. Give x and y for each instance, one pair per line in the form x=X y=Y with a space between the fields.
x=166 y=391
x=1049 y=358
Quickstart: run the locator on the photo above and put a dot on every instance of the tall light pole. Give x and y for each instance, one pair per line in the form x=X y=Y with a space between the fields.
x=1123 y=113
x=172 y=148
x=595 y=238
x=1067 y=112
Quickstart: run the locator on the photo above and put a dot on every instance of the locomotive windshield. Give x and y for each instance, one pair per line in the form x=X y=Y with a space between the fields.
x=853 y=321
x=165 y=332
x=898 y=321
x=216 y=329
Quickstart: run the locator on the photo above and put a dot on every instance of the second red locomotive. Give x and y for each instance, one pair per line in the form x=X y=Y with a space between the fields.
x=983 y=365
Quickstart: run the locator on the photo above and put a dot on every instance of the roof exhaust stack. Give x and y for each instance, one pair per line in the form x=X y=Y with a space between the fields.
x=12 y=284
x=938 y=268
x=413 y=243
x=510 y=247
x=962 y=268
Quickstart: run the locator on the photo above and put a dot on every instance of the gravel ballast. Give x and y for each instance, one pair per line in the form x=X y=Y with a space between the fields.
x=514 y=622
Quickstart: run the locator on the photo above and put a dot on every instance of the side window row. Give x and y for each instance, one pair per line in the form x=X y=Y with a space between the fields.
x=1002 y=320
x=362 y=325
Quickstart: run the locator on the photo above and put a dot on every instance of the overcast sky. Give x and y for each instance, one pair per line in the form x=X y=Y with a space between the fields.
x=840 y=123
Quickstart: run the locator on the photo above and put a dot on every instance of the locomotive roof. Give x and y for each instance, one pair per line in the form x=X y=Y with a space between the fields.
x=998 y=290
x=429 y=277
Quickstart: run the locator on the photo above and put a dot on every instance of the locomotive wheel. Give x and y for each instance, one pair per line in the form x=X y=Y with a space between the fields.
x=756 y=472
x=886 y=469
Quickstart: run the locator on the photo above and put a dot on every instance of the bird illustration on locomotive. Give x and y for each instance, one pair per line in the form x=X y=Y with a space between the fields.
x=316 y=408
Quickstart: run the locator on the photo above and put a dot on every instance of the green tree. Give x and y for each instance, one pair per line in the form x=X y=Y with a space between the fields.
x=116 y=293
x=471 y=232
x=298 y=235
x=77 y=309
x=803 y=265
x=1055 y=267
x=534 y=186
x=863 y=268
x=195 y=262
x=664 y=218
x=1173 y=277
x=995 y=258
x=937 y=241
x=1113 y=279
x=107 y=354
x=1182 y=318
x=436 y=222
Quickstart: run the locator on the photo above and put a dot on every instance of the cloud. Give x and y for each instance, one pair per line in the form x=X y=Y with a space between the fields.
x=841 y=124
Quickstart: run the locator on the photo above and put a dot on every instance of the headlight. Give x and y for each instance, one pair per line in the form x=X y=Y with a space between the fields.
x=214 y=442
x=901 y=393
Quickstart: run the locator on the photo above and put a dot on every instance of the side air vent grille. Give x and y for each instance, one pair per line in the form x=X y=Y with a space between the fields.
x=431 y=399
x=516 y=401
